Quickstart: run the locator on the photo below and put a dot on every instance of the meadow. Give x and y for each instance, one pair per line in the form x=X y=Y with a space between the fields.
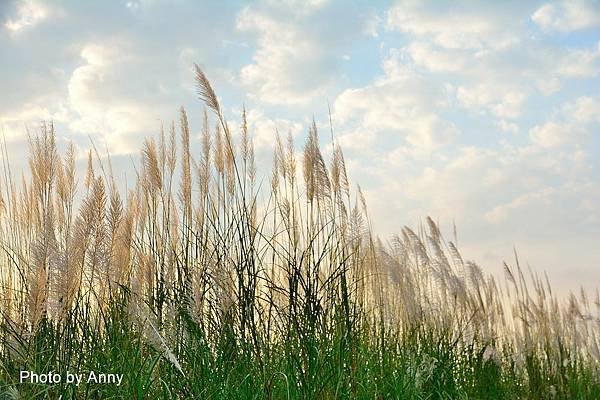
x=208 y=280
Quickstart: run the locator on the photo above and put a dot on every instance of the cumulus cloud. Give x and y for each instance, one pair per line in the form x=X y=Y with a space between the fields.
x=500 y=213
x=372 y=25
x=16 y=123
x=298 y=49
x=549 y=85
x=264 y=129
x=29 y=13
x=444 y=188
x=437 y=59
x=568 y=16
x=485 y=57
x=572 y=124
x=488 y=187
x=99 y=110
x=498 y=198
x=585 y=109
x=399 y=103
x=299 y=6
x=455 y=30
x=579 y=63
x=553 y=134
x=504 y=102
x=494 y=63
x=284 y=62
x=510 y=127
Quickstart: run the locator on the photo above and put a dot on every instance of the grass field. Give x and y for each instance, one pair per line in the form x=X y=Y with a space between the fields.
x=209 y=280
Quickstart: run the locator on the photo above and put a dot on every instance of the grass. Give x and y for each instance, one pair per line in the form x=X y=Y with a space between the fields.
x=202 y=282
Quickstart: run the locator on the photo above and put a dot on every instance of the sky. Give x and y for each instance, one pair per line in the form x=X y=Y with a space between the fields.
x=483 y=114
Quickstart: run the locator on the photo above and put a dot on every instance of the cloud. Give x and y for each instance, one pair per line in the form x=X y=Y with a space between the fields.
x=99 y=110
x=288 y=63
x=501 y=212
x=553 y=134
x=492 y=81
x=372 y=25
x=579 y=64
x=468 y=29
x=549 y=202
x=437 y=60
x=567 y=16
x=298 y=51
x=508 y=126
x=585 y=109
x=479 y=52
x=303 y=7
x=114 y=81
x=496 y=65
x=501 y=101
x=29 y=13
x=442 y=186
x=548 y=85
x=16 y=123
x=509 y=197
x=264 y=129
x=572 y=123
x=399 y=103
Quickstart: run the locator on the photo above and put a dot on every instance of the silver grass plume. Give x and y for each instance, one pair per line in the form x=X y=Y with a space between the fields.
x=315 y=172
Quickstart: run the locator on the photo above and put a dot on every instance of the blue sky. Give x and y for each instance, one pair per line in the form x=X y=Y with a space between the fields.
x=486 y=114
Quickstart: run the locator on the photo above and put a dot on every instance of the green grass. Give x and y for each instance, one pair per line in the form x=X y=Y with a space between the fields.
x=418 y=365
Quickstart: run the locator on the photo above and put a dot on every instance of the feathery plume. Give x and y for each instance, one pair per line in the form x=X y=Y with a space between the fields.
x=205 y=91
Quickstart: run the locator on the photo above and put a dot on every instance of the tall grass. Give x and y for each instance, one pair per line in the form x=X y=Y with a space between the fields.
x=204 y=281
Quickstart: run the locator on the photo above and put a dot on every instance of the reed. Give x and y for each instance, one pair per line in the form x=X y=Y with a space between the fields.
x=203 y=282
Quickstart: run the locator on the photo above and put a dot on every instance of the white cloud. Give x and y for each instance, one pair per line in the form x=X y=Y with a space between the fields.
x=504 y=102
x=135 y=5
x=568 y=15
x=440 y=186
x=553 y=134
x=303 y=7
x=264 y=129
x=579 y=64
x=103 y=112
x=372 y=25
x=287 y=64
x=498 y=199
x=497 y=64
x=509 y=127
x=358 y=138
x=455 y=30
x=401 y=102
x=501 y=213
x=584 y=109
x=16 y=123
x=549 y=85
x=571 y=124
x=437 y=60
x=29 y=13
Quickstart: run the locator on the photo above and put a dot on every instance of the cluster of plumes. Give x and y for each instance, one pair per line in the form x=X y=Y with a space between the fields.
x=197 y=238
x=54 y=256
x=430 y=284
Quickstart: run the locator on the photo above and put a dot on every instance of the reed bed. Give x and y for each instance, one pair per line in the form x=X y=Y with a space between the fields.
x=208 y=281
